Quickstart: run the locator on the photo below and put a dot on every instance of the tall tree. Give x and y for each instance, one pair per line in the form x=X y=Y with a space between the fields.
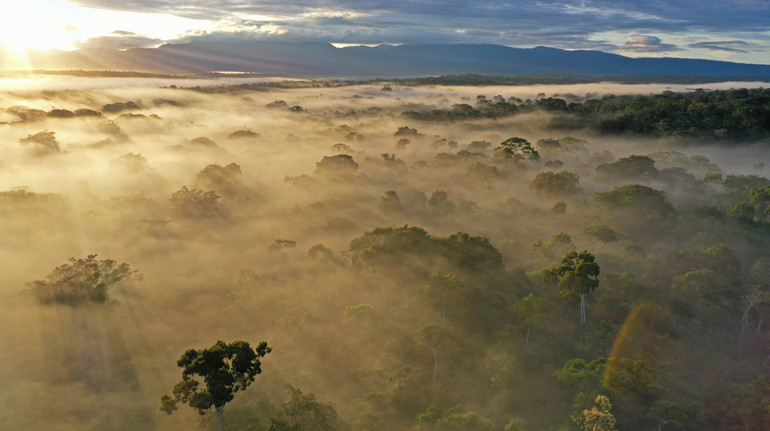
x=577 y=276
x=515 y=149
x=225 y=369
x=435 y=336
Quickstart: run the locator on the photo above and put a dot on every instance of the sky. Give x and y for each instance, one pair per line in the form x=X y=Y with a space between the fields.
x=732 y=30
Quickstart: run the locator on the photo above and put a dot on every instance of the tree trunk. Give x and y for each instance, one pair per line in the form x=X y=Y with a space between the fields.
x=526 y=347
x=759 y=325
x=435 y=366
x=582 y=308
x=219 y=417
x=744 y=324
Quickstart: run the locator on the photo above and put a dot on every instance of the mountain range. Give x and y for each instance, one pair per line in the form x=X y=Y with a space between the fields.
x=324 y=59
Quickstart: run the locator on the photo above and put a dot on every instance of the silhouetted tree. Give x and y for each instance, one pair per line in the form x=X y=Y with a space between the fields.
x=224 y=368
x=82 y=281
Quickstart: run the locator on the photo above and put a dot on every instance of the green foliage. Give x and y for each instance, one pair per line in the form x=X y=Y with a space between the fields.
x=405 y=244
x=515 y=149
x=630 y=378
x=705 y=295
x=556 y=184
x=631 y=167
x=601 y=232
x=559 y=243
x=578 y=275
x=582 y=375
x=82 y=281
x=737 y=187
x=301 y=412
x=620 y=292
x=436 y=419
x=726 y=114
x=435 y=336
x=747 y=404
x=445 y=291
x=637 y=198
x=756 y=212
x=530 y=310
x=224 y=368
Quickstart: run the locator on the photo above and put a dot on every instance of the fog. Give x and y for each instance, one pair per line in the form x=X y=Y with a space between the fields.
x=105 y=184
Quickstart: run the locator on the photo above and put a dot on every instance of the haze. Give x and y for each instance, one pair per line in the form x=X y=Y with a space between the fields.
x=247 y=266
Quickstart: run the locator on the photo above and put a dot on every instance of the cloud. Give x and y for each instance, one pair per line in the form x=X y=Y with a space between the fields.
x=571 y=24
x=644 y=43
x=119 y=40
x=727 y=45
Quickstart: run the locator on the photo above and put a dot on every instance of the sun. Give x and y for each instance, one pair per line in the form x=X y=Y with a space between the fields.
x=32 y=25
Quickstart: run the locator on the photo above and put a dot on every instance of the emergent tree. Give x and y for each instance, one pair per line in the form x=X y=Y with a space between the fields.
x=225 y=369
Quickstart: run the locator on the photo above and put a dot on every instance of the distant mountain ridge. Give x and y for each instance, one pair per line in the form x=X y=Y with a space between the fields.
x=323 y=59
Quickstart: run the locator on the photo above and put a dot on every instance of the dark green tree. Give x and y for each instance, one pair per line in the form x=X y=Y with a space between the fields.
x=82 y=281
x=632 y=167
x=515 y=149
x=224 y=368
x=577 y=276
x=556 y=184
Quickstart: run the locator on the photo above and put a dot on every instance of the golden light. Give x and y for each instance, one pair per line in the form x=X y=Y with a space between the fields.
x=44 y=25
x=29 y=25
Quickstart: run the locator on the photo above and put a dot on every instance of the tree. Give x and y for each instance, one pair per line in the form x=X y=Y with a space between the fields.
x=515 y=149
x=225 y=369
x=44 y=142
x=361 y=315
x=635 y=167
x=439 y=203
x=341 y=164
x=597 y=419
x=226 y=180
x=578 y=276
x=602 y=233
x=635 y=197
x=82 y=281
x=445 y=288
x=390 y=203
x=554 y=184
x=435 y=336
x=196 y=203
x=303 y=413
x=528 y=312
x=434 y=418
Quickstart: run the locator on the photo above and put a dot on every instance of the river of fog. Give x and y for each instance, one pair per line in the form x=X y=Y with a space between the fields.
x=250 y=214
